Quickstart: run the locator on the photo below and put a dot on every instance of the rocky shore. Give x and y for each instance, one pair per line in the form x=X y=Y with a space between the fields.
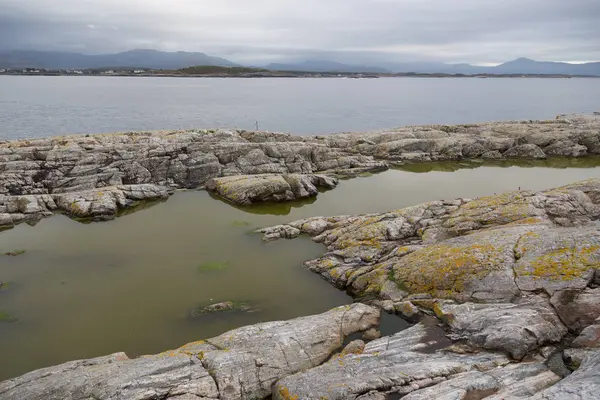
x=95 y=176
x=503 y=291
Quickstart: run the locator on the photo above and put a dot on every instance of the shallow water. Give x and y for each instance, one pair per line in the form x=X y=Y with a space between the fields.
x=84 y=290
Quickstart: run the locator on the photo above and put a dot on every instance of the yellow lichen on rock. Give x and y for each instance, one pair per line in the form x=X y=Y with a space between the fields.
x=564 y=263
x=447 y=269
x=284 y=394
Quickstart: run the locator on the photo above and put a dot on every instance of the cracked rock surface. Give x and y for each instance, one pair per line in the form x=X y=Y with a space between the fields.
x=249 y=189
x=97 y=171
x=240 y=364
x=514 y=274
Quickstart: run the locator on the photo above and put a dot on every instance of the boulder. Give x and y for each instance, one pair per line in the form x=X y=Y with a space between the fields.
x=513 y=328
x=566 y=148
x=217 y=307
x=589 y=336
x=530 y=151
x=249 y=189
x=577 y=309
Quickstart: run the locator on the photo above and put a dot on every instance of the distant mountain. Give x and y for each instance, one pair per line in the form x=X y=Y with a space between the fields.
x=155 y=59
x=518 y=66
x=135 y=58
x=528 y=66
x=324 y=66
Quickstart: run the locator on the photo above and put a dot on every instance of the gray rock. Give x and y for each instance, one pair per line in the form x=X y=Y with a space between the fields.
x=566 y=148
x=217 y=307
x=518 y=381
x=259 y=355
x=371 y=334
x=492 y=155
x=577 y=309
x=530 y=151
x=189 y=159
x=557 y=259
x=395 y=364
x=589 y=336
x=407 y=310
x=459 y=386
x=243 y=363
x=354 y=347
x=581 y=384
x=115 y=377
x=513 y=328
x=248 y=189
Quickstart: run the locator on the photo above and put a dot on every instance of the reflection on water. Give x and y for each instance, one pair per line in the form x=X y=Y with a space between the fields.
x=271 y=208
x=84 y=290
x=552 y=162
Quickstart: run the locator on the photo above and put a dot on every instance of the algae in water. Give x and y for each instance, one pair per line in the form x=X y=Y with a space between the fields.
x=213 y=266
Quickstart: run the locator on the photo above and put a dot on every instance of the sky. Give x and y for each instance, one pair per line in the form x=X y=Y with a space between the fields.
x=482 y=32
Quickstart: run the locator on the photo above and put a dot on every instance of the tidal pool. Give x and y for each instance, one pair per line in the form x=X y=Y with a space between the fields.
x=85 y=290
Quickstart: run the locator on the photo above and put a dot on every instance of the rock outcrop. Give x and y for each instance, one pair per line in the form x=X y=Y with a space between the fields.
x=401 y=365
x=240 y=364
x=89 y=166
x=504 y=291
x=303 y=359
x=248 y=189
x=89 y=204
x=514 y=273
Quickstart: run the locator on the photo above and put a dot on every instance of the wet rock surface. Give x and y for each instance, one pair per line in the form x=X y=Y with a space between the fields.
x=105 y=173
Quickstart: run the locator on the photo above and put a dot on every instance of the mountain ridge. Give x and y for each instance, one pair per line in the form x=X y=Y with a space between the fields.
x=155 y=59
x=137 y=58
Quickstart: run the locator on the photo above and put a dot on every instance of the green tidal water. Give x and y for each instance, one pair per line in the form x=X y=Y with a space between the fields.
x=85 y=290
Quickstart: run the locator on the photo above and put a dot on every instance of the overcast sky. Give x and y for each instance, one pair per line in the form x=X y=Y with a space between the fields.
x=257 y=31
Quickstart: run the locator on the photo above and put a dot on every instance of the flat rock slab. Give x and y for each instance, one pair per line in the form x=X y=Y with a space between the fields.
x=240 y=364
x=582 y=384
x=94 y=204
x=249 y=189
x=401 y=365
x=513 y=328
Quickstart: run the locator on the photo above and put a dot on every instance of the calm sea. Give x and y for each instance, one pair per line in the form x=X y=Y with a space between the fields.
x=45 y=106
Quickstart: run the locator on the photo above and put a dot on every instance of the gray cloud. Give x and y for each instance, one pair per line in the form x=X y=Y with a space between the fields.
x=344 y=30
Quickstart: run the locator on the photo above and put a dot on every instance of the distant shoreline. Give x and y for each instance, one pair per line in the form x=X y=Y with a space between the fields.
x=285 y=74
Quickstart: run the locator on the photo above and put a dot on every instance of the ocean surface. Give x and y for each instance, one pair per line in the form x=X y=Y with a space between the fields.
x=47 y=106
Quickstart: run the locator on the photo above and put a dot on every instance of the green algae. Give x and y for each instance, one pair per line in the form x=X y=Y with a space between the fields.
x=6 y=317
x=213 y=266
x=240 y=223
x=452 y=166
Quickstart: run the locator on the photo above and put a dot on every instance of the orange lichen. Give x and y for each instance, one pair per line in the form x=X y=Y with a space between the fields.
x=444 y=269
x=565 y=263
x=284 y=393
